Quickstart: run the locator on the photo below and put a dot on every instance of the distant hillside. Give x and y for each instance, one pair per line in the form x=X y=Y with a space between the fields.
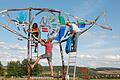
x=106 y=68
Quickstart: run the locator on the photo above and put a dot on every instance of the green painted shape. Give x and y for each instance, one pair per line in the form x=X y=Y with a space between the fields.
x=73 y=22
x=81 y=22
x=62 y=20
x=54 y=25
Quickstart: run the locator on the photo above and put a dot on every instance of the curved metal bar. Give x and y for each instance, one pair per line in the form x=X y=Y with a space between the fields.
x=89 y=21
x=22 y=9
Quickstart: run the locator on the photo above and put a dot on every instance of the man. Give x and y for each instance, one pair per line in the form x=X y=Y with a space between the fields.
x=75 y=32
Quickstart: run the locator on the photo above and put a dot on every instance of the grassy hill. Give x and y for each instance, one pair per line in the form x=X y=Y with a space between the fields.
x=93 y=73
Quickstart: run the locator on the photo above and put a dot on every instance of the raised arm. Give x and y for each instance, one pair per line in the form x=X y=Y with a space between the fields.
x=42 y=42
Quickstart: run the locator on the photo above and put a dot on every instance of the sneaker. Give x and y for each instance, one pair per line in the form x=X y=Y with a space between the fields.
x=52 y=75
x=32 y=66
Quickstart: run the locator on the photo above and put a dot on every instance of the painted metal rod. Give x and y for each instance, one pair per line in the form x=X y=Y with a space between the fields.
x=22 y=9
x=12 y=31
x=89 y=21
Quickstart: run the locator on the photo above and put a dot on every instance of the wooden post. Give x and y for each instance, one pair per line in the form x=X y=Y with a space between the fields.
x=29 y=45
x=63 y=65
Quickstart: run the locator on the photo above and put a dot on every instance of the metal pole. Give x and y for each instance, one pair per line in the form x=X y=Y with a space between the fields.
x=63 y=65
x=29 y=45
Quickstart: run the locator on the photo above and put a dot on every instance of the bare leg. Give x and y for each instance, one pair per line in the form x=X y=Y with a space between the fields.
x=51 y=67
x=36 y=62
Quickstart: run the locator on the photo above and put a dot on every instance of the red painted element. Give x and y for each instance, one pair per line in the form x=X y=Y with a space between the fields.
x=44 y=29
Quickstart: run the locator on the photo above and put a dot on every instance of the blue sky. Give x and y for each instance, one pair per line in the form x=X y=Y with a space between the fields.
x=96 y=48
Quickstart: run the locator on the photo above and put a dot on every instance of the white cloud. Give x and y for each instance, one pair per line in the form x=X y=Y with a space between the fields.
x=87 y=35
x=97 y=44
x=3 y=45
x=14 y=59
x=17 y=46
x=3 y=55
x=113 y=57
x=94 y=40
x=2 y=42
x=98 y=62
x=109 y=57
x=82 y=56
x=94 y=54
x=116 y=36
x=12 y=52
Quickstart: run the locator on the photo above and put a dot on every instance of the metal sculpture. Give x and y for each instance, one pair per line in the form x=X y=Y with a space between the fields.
x=52 y=24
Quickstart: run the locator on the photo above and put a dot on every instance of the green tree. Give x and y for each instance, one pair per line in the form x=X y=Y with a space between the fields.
x=14 y=68
x=37 y=69
x=1 y=69
x=19 y=69
x=24 y=67
x=35 y=72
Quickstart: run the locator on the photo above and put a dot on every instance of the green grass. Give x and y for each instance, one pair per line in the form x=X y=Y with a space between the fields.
x=104 y=79
x=3 y=78
x=50 y=78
